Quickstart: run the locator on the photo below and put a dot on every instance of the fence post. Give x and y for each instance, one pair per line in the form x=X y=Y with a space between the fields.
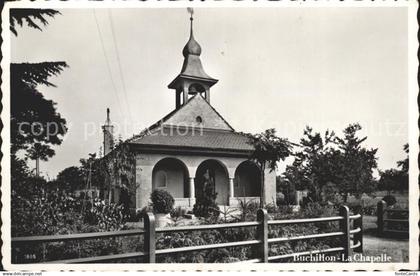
x=358 y=237
x=149 y=238
x=15 y=254
x=345 y=227
x=380 y=212
x=262 y=235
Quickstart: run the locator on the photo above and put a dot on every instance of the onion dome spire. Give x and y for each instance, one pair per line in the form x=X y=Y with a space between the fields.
x=192 y=79
x=192 y=47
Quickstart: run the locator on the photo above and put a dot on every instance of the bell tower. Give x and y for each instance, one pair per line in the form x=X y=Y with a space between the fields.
x=192 y=79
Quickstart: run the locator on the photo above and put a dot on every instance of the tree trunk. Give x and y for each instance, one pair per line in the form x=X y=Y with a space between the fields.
x=37 y=166
x=262 y=192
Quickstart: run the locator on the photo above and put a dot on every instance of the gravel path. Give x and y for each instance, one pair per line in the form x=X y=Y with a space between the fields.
x=396 y=249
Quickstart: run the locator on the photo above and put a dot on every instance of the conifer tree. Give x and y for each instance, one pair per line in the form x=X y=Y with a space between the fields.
x=36 y=125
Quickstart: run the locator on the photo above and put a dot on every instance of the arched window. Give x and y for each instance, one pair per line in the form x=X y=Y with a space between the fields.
x=161 y=180
x=196 y=88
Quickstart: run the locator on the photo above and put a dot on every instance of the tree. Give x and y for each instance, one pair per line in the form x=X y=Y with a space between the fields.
x=268 y=151
x=19 y=175
x=404 y=164
x=392 y=180
x=315 y=164
x=71 y=179
x=90 y=170
x=327 y=158
x=30 y=16
x=356 y=161
x=36 y=125
x=39 y=152
x=35 y=122
x=396 y=179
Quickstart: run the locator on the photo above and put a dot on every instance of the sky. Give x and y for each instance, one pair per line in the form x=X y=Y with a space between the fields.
x=282 y=68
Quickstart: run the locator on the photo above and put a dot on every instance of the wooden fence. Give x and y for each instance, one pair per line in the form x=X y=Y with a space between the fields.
x=384 y=219
x=351 y=238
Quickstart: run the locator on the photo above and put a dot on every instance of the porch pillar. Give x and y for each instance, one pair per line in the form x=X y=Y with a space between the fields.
x=192 y=190
x=231 y=188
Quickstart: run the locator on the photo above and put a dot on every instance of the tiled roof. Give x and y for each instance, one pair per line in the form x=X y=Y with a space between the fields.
x=195 y=138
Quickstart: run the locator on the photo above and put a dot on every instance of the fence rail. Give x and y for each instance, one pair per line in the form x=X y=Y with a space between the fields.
x=383 y=220
x=351 y=238
x=83 y=236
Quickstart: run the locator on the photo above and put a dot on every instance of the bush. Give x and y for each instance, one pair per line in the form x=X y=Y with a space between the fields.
x=205 y=205
x=215 y=236
x=280 y=199
x=162 y=201
x=248 y=210
x=390 y=200
x=109 y=216
x=54 y=212
x=132 y=215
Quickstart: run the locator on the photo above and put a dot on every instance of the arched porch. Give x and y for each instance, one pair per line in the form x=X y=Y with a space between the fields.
x=171 y=175
x=213 y=172
x=247 y=183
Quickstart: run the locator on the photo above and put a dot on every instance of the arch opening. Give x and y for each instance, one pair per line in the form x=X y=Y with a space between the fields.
x=214 y=173
x=196 y=88
x=247 y=180
x=171 y=175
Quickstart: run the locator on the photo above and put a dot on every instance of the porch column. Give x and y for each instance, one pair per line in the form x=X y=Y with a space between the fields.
x=192 y=191
x=231 y=188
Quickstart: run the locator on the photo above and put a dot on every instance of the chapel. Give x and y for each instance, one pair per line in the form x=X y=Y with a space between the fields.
x=192 y=142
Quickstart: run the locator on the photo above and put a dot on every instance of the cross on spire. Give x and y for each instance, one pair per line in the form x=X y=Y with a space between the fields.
x=191 y=12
